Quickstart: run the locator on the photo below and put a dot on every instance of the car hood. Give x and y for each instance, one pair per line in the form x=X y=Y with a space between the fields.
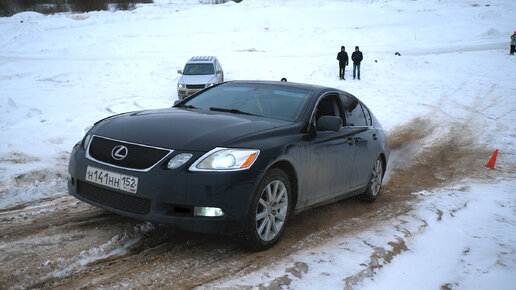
x=197 y=79
x=182 y=129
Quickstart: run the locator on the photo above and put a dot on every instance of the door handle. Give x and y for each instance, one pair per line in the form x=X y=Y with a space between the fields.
x=351 y=141
x=360 y=140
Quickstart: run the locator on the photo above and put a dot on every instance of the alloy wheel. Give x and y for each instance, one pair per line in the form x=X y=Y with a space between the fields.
x=376 y=180
x=271 y=212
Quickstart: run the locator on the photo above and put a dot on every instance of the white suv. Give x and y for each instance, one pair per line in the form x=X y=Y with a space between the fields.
x=200 y=72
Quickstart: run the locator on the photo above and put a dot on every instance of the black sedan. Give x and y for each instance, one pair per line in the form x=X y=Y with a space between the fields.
x=239 y=157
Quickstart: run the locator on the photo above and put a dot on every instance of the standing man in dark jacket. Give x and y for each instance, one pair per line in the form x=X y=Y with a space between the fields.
x=513 y=43
x=343 y=59
x=357 y=58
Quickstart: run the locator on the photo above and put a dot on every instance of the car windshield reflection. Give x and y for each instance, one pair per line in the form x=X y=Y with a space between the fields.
x=281 y=103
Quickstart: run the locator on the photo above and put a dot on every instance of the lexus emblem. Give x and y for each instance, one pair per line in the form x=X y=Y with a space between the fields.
x=119 y=152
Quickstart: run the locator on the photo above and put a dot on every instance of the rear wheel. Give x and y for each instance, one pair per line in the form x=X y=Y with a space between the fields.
x=375 y=182
x=269 y=211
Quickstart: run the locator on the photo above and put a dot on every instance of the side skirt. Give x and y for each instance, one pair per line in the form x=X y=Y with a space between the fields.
x=332 y=200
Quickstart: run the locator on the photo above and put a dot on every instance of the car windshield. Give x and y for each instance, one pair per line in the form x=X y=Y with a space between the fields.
x=199 y=69
x=269 y=101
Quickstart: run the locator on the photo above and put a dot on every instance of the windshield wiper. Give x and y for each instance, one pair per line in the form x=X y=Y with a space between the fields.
x=233 y=111
x=186 y=106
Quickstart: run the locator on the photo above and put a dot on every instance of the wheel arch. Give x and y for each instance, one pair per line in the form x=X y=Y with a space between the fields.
x=291 y=173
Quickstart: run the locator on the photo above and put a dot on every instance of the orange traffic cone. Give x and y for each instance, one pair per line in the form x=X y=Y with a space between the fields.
x=492 y=161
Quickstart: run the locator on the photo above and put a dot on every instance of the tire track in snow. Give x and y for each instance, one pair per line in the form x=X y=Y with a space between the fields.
x=53 y=241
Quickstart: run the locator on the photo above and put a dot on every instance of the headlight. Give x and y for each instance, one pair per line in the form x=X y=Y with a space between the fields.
x=210 y=84
x=178 y=160
x=226 y=159
x=180 y=85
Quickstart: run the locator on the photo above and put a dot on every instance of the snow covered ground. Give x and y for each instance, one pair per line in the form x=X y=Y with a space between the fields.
x=461 y=238
x=450 y=99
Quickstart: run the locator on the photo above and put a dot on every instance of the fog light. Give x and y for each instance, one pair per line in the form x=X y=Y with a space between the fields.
x=178 y=160
x=207 y=211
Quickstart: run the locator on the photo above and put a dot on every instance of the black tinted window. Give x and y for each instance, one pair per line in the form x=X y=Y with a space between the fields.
x=269 y=101
x=328 y=106
x=353 y=111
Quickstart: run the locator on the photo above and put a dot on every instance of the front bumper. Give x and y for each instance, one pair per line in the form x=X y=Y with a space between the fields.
x=183 y=93
x=169 y=196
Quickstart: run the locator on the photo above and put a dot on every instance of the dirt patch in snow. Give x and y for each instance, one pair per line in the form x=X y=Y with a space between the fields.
x=64 y=243
x=433 y=161
x=18 y=157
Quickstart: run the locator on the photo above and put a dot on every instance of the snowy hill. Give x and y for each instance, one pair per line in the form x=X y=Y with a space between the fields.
x=448 y=101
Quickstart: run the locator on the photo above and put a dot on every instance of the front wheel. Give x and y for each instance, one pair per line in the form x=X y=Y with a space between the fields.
x=269 y=211
x=375 y=182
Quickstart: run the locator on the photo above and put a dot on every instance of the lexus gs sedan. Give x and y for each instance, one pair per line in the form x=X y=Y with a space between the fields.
x=239 y=157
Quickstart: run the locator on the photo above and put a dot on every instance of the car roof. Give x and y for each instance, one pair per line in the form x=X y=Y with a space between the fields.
x=314 y=88
x=202 y=59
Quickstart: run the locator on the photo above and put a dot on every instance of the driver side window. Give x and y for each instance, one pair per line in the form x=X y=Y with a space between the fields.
x=328 y=106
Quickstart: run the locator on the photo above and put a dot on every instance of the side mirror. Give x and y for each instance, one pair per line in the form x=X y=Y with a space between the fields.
x=329 y=123
x=177 y=102
x=179 y=71
x=219 y=72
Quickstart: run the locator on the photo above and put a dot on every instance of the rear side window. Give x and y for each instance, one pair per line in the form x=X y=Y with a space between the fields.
x=353 y=111
x=369 y=120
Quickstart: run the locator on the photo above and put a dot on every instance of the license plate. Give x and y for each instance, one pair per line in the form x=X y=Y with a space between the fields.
x=112 y=179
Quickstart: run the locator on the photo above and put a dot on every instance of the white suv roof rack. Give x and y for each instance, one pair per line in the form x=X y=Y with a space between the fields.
x=202 y=59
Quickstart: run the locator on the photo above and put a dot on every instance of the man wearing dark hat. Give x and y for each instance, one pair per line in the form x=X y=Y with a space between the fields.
x=357 y=59
x=343 y=59
x=513 y=43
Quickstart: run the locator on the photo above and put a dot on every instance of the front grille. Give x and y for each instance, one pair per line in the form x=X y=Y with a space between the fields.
x=114 y=199
x=195 y=86
x=138 y=157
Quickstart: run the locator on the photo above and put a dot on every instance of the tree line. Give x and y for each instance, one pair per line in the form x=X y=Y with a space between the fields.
x=11 y=7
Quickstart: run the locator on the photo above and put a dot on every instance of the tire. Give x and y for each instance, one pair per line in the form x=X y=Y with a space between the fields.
x=269 y=211
x=375 y=182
